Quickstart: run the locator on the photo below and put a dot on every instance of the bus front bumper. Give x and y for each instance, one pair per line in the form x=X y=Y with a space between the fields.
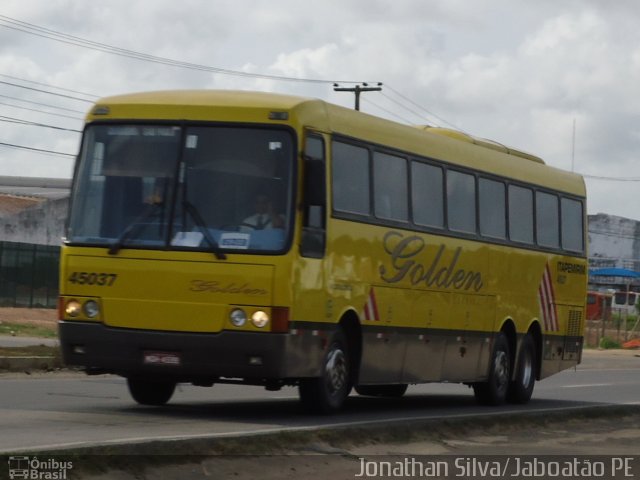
x=189 y=357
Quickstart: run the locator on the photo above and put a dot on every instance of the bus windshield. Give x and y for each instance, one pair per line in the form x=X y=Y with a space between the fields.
x=214 y=188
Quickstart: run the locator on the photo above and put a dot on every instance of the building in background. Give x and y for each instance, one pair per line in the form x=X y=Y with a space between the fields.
x=32 y=218
x=614 y=242
x=33 y=210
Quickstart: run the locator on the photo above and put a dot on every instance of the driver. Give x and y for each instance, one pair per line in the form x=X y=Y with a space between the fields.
x=265 y=216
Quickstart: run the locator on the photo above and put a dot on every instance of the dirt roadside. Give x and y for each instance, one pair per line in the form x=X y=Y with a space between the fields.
x=41 y=317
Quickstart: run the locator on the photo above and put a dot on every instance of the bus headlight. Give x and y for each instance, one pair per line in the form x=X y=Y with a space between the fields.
x=73 y=308
x=260 y=319
x=91 y=309
x=237 y=317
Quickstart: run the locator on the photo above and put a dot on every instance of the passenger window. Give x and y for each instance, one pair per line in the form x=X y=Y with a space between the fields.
x=461 y=202
x=390 y=187
x=493 y=218
x=572 y=225
x=547 y=220
x=427 y=195
x=520 y=214
x=350 y=178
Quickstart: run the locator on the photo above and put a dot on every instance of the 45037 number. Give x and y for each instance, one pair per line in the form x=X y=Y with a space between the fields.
x=92 y=278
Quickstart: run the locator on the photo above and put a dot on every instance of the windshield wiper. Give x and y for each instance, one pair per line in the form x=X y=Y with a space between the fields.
x=117 y=245
x=199 y=221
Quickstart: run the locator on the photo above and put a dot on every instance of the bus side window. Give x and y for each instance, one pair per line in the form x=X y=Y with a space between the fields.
x=492 y=203
x=461 y=202
x=572 y=229
x=520 y=214
x=313 y=198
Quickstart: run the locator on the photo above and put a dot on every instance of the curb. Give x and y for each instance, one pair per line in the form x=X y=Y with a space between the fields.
x=19 y=364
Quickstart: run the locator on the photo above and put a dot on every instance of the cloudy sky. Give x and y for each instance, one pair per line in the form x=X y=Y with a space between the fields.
x=527 y=74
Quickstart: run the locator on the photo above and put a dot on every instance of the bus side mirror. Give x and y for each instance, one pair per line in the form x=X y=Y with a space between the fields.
x=314 y=184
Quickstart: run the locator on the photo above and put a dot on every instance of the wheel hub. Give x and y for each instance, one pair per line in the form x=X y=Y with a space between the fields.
x=501 y=370
x=336 y=370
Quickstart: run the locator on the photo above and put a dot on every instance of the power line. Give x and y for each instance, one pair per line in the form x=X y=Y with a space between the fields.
x=42 y=104
x=35 y=124
x=39 y=111
x=50 y=34
x=417 y=114
x=45 y=91
x=389 y=112
x=23 y=147
x=406 y=99
x=48 y=85
x=36 y=30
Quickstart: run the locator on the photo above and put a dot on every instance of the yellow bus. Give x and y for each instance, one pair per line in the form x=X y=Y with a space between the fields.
x=264 y=239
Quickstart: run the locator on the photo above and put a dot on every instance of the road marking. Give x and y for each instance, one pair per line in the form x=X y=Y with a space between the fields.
x=587 y=385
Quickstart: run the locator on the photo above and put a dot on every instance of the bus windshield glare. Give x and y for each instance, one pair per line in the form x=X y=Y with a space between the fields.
x=212 y=188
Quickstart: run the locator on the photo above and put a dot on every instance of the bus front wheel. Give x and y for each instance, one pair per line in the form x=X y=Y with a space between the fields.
x=494 y=390
x=149 y=392
x=327 y=393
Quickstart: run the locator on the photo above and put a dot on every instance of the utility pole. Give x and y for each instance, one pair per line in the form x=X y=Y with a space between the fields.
x=573 y=147
x=357 y=90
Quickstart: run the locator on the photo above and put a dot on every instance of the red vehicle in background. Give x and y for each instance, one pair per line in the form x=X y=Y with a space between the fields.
x=599 y=305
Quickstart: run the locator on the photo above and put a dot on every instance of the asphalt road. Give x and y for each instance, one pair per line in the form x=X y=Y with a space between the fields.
x=60 y=410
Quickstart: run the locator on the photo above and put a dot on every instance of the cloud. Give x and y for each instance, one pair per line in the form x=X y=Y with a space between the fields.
x=306 y=62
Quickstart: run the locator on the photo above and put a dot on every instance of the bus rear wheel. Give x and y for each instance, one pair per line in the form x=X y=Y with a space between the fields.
x=395 y=391
x=494 y=390
x=150 y=392
x=327 y=393
x=521 y=389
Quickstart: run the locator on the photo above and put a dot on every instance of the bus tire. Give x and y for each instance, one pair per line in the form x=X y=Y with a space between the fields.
x=494 y=390
x=521 y=388
x=394 y=391
x=150 y=392
x=327 y=393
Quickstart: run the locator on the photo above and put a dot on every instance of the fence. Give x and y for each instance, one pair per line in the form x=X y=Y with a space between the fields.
x=619 y=328
x=28 y=275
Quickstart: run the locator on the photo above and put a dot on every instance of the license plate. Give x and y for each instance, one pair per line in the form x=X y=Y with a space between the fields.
x=161 y=358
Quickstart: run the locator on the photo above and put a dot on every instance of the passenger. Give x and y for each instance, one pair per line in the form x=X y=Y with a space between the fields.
x=265 y=216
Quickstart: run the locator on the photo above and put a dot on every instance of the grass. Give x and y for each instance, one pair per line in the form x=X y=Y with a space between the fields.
x=28 y=330
x=609 y=343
